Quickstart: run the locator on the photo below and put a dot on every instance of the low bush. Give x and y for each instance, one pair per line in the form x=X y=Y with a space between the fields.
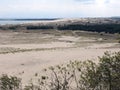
x=10 y=83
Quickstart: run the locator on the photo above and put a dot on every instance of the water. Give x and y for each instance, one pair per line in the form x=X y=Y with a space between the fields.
x=4 y=22
x=15 y=22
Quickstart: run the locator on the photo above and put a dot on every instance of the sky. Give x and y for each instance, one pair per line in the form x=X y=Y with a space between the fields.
x=59 y=8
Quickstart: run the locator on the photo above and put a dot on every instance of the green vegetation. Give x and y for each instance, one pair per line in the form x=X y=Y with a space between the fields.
x=107 y=28
x=10 y=83
x=75 y=75
x=118 y=41
x=39 y=27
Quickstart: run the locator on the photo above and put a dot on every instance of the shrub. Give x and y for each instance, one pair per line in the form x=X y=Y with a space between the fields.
x=109 y=68
x=10 y=83
x=119 y=41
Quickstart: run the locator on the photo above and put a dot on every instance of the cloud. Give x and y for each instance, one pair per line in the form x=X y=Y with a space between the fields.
x=85 y=0
x=59 y=8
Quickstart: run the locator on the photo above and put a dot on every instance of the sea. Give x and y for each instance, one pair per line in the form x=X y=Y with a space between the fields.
x=14 y=22
x=22 y=21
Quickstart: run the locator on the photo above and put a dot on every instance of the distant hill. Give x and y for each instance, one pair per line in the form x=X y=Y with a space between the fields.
x=117 y=18
x=110 y=25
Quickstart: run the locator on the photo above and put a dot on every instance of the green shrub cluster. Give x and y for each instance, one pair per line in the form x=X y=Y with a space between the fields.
x=107 y=28
x=39 y=27
x=10 y=83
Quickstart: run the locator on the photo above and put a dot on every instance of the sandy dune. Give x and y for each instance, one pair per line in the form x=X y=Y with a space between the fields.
x=61 y=50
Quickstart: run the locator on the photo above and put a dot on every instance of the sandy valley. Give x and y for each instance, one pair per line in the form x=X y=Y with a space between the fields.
x=25 y=53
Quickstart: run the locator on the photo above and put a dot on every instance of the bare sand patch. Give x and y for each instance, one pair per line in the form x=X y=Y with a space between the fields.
x=69 y=38
x=32 y=46
x=27 y=64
